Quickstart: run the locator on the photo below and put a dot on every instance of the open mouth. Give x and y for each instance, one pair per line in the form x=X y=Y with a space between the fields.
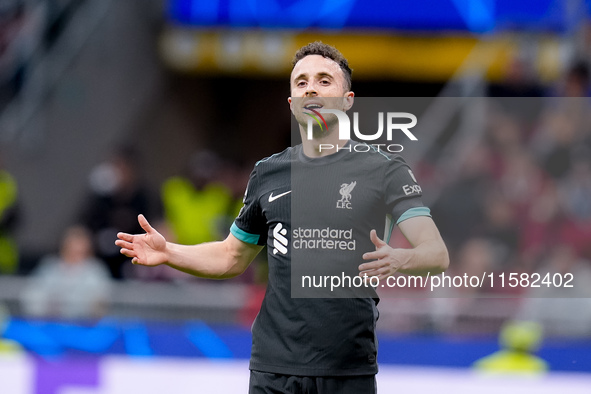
x=313 y=106
x=314 y=109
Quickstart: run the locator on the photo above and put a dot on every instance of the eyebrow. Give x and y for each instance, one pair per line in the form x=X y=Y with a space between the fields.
x=320 y=74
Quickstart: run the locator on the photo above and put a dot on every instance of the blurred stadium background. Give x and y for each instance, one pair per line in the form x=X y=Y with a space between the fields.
x=111 y=108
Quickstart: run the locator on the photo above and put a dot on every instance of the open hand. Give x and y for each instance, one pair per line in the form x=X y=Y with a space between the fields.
x=387 y=260
x=144 y=249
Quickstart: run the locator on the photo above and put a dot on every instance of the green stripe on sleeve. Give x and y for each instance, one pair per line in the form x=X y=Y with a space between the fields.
x=244 y=236
x=388 y=229
x=413 y=212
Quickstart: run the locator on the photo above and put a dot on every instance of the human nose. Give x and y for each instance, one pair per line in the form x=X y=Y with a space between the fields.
x=311 y=90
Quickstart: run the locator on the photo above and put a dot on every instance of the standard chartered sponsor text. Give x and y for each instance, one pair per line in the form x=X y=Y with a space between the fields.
x=323 y=238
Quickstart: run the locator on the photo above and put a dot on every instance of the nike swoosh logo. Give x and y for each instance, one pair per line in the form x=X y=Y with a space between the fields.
x=273 y=198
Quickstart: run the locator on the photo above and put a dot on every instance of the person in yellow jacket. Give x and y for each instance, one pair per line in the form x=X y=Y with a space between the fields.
x=518 y=340
x=8 y=208
x=196 y=206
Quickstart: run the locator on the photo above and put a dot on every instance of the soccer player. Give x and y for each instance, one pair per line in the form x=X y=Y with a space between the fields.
x=313 y=345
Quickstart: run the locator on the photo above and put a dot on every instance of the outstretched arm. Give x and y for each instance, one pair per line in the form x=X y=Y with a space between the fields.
x=428 y=253
x=214 y=260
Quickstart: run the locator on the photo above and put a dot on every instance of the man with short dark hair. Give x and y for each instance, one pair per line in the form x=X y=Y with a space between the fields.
x=313 y=345
x=328 y=52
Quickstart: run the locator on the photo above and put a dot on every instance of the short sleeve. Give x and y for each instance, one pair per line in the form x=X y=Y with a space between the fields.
x=251 y=226
x=403 y=193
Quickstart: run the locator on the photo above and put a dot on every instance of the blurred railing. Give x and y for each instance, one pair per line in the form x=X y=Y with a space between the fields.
x=227 y=302
x=210 y=301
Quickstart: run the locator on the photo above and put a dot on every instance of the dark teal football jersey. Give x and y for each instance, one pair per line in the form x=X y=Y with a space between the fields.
x=315 y=216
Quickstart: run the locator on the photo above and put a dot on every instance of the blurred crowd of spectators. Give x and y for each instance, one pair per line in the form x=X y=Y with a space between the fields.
x=195 y=206
x=524 y=190
x=521 y=202
x=198 y=205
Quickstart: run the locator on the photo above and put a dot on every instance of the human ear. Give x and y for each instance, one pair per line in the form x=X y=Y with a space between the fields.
x=349 y=98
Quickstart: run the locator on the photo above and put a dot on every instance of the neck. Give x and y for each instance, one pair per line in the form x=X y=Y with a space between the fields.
x=326 y=145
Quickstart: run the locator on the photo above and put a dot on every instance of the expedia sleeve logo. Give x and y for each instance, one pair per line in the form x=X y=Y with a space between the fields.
x=411 y=189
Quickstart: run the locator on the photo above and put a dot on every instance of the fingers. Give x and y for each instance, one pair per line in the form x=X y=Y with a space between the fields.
x=370 y=273
x=128 y=252
x=374 y=265
x=379 y=274
x=124 y=237
x=381 y=268
x=132 y=255
x=145 y=225
x=373 y=235
x=127 y=249
x=124 y=244
x=126 y=241
x=382 y=273
x=378 y=254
